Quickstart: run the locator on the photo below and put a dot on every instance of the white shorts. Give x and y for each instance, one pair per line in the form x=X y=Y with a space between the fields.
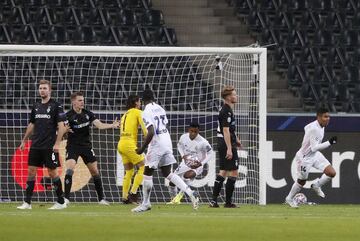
x=155 y=158
x=182 y=168
x=305 y=164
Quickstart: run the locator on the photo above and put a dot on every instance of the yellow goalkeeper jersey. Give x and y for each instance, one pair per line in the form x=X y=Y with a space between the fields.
x=130 y=123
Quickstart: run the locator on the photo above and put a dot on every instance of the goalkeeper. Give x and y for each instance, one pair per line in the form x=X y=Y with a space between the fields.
x=127 y=146
x=195 y=152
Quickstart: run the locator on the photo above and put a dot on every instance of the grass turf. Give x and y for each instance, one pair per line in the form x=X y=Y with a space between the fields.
x=93 y=222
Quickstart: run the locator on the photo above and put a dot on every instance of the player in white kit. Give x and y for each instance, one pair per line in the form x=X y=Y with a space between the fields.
x=309 y=156
x=160 y=153
x=195 y=152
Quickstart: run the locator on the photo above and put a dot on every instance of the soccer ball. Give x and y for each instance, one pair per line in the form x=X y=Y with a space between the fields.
x=300 y=198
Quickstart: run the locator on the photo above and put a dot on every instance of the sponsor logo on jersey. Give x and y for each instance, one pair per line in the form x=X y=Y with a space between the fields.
x=81 y=125
x=42 y=116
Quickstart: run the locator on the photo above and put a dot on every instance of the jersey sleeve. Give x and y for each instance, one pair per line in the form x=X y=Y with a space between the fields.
x=60 y=114
x=147 y=119
x=141 y=122
x=207 y=151
x=315 y=144
x=180 y=146
x=225 y=118
x=92 y=116
x=32 y=114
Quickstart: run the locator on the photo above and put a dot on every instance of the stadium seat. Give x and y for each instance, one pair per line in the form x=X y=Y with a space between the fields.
x=129 y=35
x=349 y=38
x=21 y=34
x=106 y=35
x=10 y=15
x=83 y=35
x=62 y=16
x=4 y=35
x=124 y=17
x=91 y=16
x=152 y=18
x=55 y=35
x=60 y=3
x=324 y=38
x=155 y=36
x=36 y=16
x=31 y=3
x=115 y=4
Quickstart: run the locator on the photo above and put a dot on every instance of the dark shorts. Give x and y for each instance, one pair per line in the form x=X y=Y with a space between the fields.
x=225 y=164
x=86 y=153
x=43 y=157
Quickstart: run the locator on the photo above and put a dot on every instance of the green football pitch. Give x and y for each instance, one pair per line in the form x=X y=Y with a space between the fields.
x=93 y=222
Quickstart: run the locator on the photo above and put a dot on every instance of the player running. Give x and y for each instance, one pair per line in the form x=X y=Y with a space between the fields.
x=195 y=152
x=160 y=152
x=310 y=156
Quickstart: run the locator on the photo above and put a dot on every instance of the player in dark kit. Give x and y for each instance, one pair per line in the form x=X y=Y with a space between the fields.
x=79 y=144
x=227 y=148
x=47 y=117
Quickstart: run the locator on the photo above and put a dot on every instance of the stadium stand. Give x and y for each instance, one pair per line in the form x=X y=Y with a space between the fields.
x=317 y=46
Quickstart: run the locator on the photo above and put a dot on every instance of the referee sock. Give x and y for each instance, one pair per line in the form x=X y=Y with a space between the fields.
x=139 y=177
x=58 y=189
x=217 y=187
x=68 y=182
x=126 y=183
x=98 y=187
x=30 y=184
x=229 y=189
x=147 y=186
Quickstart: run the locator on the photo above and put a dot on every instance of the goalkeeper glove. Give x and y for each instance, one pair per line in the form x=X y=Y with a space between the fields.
x=333 y=140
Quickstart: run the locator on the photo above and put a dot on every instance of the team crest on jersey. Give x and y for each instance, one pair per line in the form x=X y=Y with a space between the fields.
x=48 y=109
x=229 y=119
x=87 y=117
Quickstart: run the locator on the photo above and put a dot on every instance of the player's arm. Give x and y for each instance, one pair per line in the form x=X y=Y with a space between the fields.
x=28 y=133
x=142 y=124
x=62 y=129
x=208 y=152
x=102 y=126
x=181 y=149
x=148 y=138
x=226 y=131
x=315 y=146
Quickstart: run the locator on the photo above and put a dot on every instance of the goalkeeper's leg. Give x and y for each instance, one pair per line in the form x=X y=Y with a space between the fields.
x=129 y=172
x=138 y=179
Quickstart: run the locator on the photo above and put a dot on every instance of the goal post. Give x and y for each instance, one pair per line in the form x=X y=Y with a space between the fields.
x=186 y=81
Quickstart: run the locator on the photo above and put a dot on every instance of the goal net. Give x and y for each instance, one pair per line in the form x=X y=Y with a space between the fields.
x=186 y=81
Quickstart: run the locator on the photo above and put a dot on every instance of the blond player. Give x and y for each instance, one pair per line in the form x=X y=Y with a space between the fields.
x=127 y=146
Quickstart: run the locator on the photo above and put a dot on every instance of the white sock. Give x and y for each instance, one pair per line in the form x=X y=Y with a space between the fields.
x=172 y=191
x=147 y=186
x=180 y=183
x=296 y=187
x=322 y=180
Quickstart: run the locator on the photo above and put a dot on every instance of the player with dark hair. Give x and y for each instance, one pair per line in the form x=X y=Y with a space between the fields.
x=130 y=122
x=309 y=156
x=79 y=144
x=227 y=148
x=195 y=152
x=47 y=129
x=160 y=153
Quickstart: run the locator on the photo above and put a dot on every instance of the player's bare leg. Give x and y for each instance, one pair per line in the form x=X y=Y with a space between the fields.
x=329 y=172
x=94 y=171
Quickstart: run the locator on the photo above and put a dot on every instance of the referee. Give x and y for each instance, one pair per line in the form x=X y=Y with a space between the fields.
x=79 y=144
x=47 y=117
x=227 y=148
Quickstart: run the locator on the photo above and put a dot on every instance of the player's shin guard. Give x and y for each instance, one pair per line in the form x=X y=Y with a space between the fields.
x=229 y=189
x=127 y=183
x=98 y=187
x=180 y=183
x=322 y=180
x=147 y=186
x=217 y=187
x=139 y=177
x=58 y=190
x=68 y=182
x=30 y=184
x=296 y=187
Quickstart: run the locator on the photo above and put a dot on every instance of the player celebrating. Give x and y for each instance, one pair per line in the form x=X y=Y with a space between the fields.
x=227 y=147
x=159 y=152
x=309 y=156
x=127 y=146
x=47 y=117
x=79 y=144
x=195 y=152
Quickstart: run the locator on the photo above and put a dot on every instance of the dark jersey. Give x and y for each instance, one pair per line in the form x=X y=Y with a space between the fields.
x=80 y=124
x=227 y=119
x=45 y=118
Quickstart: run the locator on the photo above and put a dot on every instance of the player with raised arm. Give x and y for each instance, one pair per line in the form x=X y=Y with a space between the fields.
x=160 y=153
x=46 y=128
x=79 y=144
x=127 y=146
x=195 y=152
x=309 y=156
x=228 y=143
